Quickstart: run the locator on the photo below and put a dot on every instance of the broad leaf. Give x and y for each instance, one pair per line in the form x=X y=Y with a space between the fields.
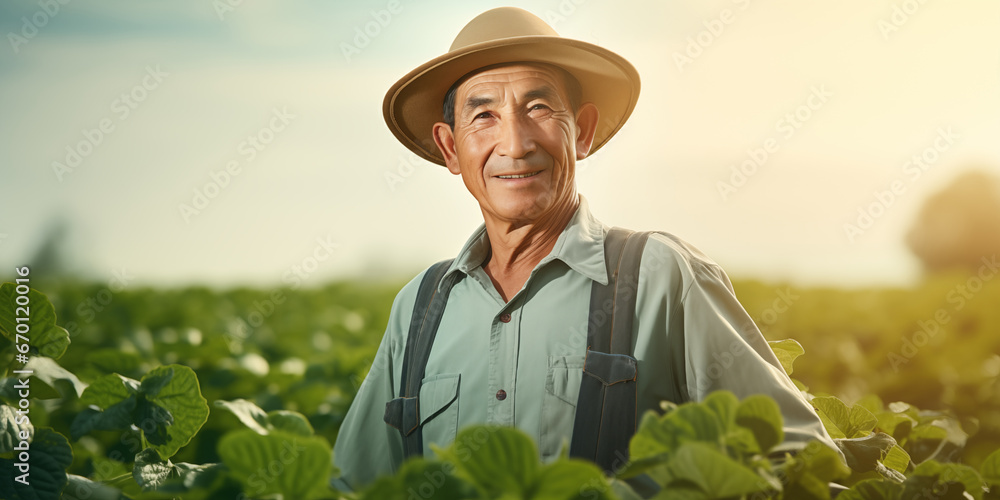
x=842 y=421
x=808 y=473
x=50 y=455
x=277 y=463
x=786 y=351
x=563 y=478
x=420 y=478
x=940 y=476
x=153 y=473
x=166 y=405
x=501 y=460
x=45 y=337
x=250 y=414
x=12 y=425
x=713 y=472
x=990 y=469
x=81 y=488
x=762 y=416
x=873 y=489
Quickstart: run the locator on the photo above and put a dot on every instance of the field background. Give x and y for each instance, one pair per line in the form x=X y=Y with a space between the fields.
x=311 y=349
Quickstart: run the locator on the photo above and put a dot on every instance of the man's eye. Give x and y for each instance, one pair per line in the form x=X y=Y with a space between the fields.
x=484 y=114
x=539 y=106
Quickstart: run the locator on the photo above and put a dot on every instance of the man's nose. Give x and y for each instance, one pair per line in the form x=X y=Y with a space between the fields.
x=516 y=139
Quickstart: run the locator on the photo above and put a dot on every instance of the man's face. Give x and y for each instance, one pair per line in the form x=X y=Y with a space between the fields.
x=512 y=121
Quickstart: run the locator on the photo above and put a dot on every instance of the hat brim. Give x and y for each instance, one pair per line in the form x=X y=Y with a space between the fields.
x=414 y=103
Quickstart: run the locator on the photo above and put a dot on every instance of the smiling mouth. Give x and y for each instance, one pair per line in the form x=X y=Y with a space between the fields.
x=519 y=176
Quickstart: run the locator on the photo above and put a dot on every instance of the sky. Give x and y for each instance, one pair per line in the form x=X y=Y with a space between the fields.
x=264 y=119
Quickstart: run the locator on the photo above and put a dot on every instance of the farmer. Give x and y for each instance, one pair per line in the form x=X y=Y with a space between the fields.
x=511 y=108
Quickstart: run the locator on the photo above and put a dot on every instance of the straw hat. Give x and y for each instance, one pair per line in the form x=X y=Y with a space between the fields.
x=508 y=34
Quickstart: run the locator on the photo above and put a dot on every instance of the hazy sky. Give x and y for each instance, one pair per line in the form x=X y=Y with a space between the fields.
x=844 y=93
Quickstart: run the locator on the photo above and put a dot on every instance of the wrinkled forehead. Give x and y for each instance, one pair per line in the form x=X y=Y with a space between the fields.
x=515 y=72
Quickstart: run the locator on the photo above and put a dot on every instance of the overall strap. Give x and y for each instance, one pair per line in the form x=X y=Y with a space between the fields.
x=606 y=407
x=403 y=412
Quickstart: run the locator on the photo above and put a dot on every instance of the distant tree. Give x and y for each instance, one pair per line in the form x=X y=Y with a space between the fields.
x=960 y=225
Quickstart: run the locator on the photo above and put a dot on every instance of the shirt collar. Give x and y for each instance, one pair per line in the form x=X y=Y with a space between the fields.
x=580 y=246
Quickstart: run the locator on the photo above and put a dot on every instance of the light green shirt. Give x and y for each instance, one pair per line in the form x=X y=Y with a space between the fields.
x=533 y=348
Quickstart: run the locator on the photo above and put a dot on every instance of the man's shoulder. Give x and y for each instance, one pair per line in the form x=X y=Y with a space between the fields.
x=668 y=256
x=407 y=295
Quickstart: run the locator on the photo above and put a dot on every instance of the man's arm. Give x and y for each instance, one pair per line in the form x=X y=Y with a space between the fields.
x=725 y=350
x=366 y=446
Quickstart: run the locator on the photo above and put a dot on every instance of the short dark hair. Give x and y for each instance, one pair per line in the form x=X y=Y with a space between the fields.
x=571 y=83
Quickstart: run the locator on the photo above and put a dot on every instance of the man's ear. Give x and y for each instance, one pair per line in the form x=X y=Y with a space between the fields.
x=445 y=140
x=586 y=126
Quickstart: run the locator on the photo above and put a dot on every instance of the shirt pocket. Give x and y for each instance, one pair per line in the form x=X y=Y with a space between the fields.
x=562 y=389
x=438 y=409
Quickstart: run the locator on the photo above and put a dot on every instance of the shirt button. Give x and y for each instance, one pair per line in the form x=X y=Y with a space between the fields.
x=505 y=317
x=501 y=395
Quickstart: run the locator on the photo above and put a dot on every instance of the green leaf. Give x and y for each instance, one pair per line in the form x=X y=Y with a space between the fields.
x=118 y=417
x=761 y=415
x=10 y=429
x=169 y=414
x=990 y=469
x=873 y=489
x=898 y=425
x=253 y=417
x=291 y=422
x=500 y=460
x=46 y=370
x=81 y=488
x=897 y=459
x=657 y=436
x=808 y=473
x=842 y=421
x=863 y=453
x=420 y=478
x=182 y=399
x=929 y=432
x=45 y=338
x=944 y=476
x=150 y=470
x=50 y=455
x=786 y=350
x=277 y=463
x=713 y=472
x=109 y=390
x=872 y=403
x=247 y=412
x=153 y=473
x=154 y=421
x=562 y=478
x=702 y=420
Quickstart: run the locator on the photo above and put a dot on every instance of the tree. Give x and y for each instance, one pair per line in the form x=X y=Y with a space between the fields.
x=960 y=225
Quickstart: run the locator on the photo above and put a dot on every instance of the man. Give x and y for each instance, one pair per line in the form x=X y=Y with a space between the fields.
x=511 y=108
